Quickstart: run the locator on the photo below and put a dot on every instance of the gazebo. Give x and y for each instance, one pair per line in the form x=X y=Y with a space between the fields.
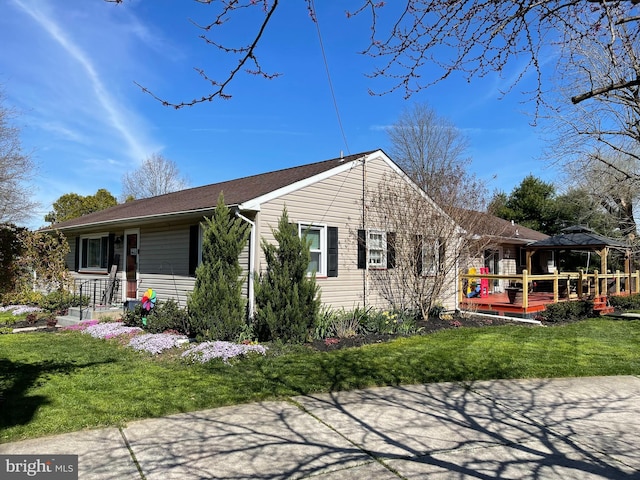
x=581 y=238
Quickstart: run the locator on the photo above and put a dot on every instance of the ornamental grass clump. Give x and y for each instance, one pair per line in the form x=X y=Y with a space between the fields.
x=207 y=351
x=156 y=343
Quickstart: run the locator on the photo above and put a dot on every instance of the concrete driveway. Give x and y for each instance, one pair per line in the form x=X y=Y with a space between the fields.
x=582 y=428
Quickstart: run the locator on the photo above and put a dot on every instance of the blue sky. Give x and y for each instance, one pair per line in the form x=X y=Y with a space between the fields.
x=69 y=69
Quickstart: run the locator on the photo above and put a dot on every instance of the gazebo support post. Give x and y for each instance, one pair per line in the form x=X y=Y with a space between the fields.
x=603 y=269
x=579 y=289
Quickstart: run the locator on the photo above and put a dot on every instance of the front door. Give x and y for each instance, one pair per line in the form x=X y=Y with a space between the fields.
x=131 y=262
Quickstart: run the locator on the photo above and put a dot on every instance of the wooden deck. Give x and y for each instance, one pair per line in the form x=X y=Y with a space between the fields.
x=498 y=303
x=566 y=286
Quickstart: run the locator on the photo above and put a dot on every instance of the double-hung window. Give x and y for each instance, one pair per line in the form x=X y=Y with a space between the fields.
x=376 y=249
x=316 y=235
x=94 y=252
x=432 y=256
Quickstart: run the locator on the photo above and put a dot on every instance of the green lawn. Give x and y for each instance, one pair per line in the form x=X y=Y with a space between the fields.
x=54 y=383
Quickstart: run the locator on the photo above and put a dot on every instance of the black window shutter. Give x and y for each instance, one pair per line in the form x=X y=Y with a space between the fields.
x=391 y=249
x=442 y=252
x=194 y=231
x=76 y=264
x=110 y=246
x=332 y=251
x=418 y=254
x=362 y=249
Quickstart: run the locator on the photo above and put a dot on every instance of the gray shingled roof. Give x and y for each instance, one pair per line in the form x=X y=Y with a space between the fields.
x=204 y=198
x=485 y=224
x=578 y=238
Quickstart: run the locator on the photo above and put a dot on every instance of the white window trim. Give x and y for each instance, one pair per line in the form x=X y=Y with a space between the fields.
x=322 y=266
x=432 y=247
x=93 y=236
x=377 y=266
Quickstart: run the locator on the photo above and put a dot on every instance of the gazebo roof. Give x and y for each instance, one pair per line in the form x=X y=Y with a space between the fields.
x=577 y=237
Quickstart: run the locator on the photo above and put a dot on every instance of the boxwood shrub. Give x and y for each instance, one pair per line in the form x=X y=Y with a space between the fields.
x=567 y=311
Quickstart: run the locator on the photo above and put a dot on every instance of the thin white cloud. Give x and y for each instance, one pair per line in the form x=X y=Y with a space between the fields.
x=114 y=112
x=62 y=130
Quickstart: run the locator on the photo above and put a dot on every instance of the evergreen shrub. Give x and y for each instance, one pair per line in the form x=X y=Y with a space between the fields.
x=217 y=308
x=287 y=298
x=567 y=311
x=166 y=315
x=630 y=302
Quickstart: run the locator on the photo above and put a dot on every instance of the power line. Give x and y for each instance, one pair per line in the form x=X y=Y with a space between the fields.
x=326 y=66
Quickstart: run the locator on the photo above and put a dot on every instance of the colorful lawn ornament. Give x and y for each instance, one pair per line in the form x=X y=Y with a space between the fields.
x=148 y=299
x=148 y=302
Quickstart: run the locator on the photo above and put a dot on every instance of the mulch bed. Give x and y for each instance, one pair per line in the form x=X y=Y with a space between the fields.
x=40 y=324
x=430 y=326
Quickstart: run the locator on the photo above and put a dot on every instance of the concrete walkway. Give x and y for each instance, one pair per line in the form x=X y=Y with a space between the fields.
x=581 y=428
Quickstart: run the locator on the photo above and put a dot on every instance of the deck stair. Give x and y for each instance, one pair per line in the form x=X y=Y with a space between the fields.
x=601 y=305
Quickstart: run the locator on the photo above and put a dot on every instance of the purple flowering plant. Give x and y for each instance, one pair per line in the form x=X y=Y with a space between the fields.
x=108 y=330
x=155 y=343
x=20 y=309
x=207 y=351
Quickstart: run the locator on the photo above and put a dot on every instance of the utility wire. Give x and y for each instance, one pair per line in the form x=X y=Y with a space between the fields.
x=326 y=66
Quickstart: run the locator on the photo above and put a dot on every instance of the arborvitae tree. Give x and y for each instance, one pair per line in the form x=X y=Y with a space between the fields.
x=216 y=306
x=287 y=299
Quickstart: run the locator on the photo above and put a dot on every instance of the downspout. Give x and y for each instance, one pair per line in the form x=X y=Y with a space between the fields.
x=365 y=272
x=252 y=238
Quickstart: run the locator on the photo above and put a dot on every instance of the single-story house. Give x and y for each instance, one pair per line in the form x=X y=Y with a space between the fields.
x=156 y=242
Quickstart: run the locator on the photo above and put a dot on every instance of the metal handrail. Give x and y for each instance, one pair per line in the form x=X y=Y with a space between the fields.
x=104 y=285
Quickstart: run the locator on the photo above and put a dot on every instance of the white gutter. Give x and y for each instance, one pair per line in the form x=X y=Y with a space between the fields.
x=252 y=239
x=132 y=220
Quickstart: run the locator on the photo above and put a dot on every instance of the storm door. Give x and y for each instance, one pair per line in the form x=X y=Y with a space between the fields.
x=131 y=262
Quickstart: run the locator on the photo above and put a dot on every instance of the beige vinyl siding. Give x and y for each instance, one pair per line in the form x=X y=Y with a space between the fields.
x=164 y=263
x=334 y=202
x=448 y=294
x=164 y=251
x=70 y=258
x=244 y=263
x=176 y=287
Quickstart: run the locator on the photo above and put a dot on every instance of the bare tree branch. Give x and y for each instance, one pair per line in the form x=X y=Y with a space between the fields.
x=16 y=172
x=246 y=54
x=156 y=176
